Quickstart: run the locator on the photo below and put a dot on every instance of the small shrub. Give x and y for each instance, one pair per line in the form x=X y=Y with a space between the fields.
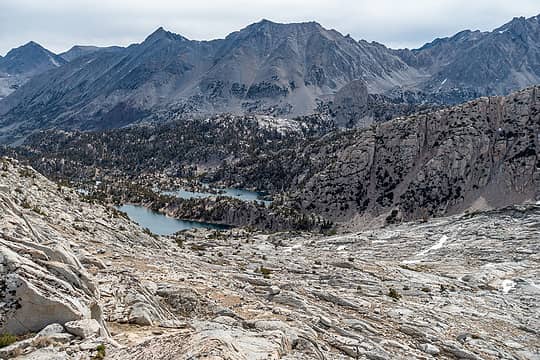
x=100 y=352
x=7 y=339
x=179 y=242
x=37 y=210
x=265 y=272
x=150 y=233
x=41 y=342
x=394 y=294
x=25 y=172
x=197 y=247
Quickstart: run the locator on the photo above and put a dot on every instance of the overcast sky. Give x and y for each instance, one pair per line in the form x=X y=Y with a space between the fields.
x=59 y=24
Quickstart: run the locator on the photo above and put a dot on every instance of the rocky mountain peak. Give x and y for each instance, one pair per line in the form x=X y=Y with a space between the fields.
x=27 y=49
x=268 y=68
x=30 y=58
x=77 y=51
x=162 y=34
x=520 y=26
x=278 y=30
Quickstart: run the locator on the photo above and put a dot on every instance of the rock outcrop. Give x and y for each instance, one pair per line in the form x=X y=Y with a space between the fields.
x=42 y=281
x=481 y=154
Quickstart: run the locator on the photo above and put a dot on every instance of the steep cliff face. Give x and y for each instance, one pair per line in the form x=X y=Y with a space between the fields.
x=485 y=152
x=481 y=153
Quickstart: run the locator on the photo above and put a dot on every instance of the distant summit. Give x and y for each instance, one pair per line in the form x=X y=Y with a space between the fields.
x=265 y=68
x=161 y=34
x=29 y=59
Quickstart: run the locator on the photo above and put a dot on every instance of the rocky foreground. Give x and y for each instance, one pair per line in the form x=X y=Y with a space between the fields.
x=80 y=281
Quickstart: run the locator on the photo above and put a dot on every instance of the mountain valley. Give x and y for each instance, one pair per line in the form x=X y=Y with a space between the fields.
x=284 y=192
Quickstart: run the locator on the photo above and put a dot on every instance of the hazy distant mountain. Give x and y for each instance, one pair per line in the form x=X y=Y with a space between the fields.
x=270 y=68
x=29 y=59
x=488 y=63
x=22 y=63
x=266 y=67
x=80 y=50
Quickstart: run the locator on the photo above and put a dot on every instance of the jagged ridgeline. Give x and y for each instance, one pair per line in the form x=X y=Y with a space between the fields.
x=483 y=153
x=265 y=68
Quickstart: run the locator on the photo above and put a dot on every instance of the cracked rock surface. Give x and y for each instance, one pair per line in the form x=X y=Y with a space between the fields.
x=459 y=287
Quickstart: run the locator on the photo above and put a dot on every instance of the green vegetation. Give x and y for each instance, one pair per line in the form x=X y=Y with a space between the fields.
x=7 y=339
x=37 y=210
x=26 y=204
x=394 y=294
x=265 y=272
x=150 y=233
x=100 y=352
x=26 y=172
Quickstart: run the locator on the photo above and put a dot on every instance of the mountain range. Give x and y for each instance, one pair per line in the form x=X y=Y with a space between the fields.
x=20 y=64
x=278 y=69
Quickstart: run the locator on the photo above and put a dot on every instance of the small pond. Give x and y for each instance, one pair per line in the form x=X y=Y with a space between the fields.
x=163 y=225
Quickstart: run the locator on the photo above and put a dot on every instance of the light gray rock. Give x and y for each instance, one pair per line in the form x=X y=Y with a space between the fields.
x=430 y=349
x=83 y=328
x=141 y=314
x=51 y=330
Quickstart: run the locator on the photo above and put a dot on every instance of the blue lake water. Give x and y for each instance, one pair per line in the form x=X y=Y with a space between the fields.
x=240 y=194
x=160 y=224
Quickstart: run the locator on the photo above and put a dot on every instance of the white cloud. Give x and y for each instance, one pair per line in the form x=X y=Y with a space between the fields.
x=59 y=24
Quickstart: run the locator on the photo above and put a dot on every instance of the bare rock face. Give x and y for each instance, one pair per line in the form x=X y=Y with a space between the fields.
x=83 y=328
x=213 y=341
x=480 y=154
x=41 y=282
x=351 y=105
x=477 y=155
x=460 y=287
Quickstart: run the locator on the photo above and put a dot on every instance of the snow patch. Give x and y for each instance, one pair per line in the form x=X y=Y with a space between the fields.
x=437 y=246
x=411 y=261
x=53 y=61
x=507 y=285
